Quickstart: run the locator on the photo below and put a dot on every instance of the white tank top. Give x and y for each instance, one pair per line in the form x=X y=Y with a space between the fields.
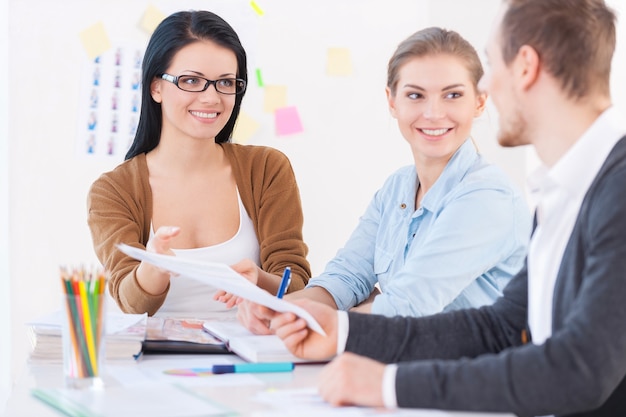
x=190 y=298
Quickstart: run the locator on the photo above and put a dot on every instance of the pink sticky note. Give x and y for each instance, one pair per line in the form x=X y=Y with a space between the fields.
x=287 y=121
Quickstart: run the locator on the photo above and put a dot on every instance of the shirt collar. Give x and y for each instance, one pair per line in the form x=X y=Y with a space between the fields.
x=589 y=152
x=452 y=174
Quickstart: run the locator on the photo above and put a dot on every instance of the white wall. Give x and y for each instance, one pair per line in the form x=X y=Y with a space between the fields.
x=5 y=287
x=350 y=144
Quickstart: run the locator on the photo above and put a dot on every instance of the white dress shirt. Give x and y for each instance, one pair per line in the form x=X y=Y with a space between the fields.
x=558 y=193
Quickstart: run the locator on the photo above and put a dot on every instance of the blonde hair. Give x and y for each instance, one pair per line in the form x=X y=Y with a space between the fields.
x=434 y=41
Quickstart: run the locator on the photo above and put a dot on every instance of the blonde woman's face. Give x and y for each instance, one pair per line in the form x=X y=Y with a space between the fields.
x=435 y=103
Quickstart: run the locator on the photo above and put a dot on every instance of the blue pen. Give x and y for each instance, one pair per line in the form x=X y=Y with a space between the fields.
x=253 y=367
x=284 y=283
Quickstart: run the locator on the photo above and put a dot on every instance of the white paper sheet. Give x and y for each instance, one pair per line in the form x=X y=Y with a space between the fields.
x=223 y=277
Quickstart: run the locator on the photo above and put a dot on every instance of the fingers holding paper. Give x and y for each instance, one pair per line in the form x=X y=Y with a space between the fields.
x=153 y=279
x=352 y=380
x=224 y=277
x=300 y=339
x=250 y=271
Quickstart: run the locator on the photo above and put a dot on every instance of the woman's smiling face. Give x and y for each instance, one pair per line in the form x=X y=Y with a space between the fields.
x=435 y=103
x=203 y=114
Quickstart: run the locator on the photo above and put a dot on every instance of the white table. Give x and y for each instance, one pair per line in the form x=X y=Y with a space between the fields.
x=242 y=399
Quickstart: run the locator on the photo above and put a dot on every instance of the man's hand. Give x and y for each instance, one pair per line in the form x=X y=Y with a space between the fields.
x=302 y=341
x=352 y=380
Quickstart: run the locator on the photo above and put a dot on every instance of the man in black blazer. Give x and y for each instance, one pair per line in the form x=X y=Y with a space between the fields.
x=555 y=342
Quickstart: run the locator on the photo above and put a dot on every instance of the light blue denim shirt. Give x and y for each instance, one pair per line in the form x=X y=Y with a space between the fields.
x=459 y=249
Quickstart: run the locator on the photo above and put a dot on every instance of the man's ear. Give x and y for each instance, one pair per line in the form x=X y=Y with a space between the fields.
x=481 y=103
x=391 y=101
x=155 y=90
x=527 y=66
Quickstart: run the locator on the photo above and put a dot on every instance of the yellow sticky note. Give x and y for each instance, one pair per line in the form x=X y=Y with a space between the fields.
x=275 y=97
x=95 y=40
x=338 y=62
x=151 y=19
x=245 y=128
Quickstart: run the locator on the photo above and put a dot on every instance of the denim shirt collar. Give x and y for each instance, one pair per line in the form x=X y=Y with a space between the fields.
x=452 y=174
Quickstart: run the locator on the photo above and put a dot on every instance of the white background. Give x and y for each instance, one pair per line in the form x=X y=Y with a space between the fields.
x=349 y=146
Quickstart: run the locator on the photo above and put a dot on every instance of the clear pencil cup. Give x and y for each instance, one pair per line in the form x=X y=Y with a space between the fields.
x=83 y=339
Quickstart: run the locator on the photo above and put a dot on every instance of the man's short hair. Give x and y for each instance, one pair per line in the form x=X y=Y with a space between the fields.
x=575 y=40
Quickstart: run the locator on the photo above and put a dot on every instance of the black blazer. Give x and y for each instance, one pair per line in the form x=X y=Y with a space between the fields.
x=579 y=371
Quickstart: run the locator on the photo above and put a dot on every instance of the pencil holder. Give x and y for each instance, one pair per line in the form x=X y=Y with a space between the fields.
x=83 y=337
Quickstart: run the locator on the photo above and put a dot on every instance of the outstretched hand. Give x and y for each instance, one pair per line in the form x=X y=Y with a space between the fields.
x=161 y=240
x=152 y=279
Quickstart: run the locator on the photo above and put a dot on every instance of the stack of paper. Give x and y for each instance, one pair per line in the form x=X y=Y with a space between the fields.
x=124 y=334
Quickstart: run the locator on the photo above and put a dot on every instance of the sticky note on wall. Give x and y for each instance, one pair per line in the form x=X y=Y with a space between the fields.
x=287 y=121
x=275 y=97
x=245 y=128
x=338 y=62
x=95 y=40
x=151 y=19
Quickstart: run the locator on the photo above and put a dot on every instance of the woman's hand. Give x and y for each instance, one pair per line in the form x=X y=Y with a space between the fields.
x=250 y=271
x=254 y=317
x=161 y=240
x=152 y=279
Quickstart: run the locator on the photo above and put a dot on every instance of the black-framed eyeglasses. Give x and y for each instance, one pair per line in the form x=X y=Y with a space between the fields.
x=197 y=84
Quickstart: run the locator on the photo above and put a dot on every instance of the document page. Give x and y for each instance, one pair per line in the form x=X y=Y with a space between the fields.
x=223 y=277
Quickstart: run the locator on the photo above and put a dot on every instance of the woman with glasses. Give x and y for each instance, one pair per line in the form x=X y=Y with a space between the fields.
x=444 y=233
x=185 y=189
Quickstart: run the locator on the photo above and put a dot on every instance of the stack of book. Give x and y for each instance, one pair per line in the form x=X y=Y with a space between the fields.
x=124 y=336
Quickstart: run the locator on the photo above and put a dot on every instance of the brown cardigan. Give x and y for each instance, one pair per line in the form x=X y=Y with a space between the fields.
x=119 y=207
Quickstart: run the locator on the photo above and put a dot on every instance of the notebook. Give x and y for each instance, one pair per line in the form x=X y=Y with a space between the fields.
x=249 y=346
x=178 y=335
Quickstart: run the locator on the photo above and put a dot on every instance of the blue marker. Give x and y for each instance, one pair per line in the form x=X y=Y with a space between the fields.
x=284 y=283
x=253 y=367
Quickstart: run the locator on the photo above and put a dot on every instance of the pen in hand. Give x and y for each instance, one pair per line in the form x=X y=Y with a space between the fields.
x=284 y=283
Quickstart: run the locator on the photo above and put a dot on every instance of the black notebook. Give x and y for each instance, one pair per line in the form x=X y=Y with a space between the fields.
x=174 y=335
